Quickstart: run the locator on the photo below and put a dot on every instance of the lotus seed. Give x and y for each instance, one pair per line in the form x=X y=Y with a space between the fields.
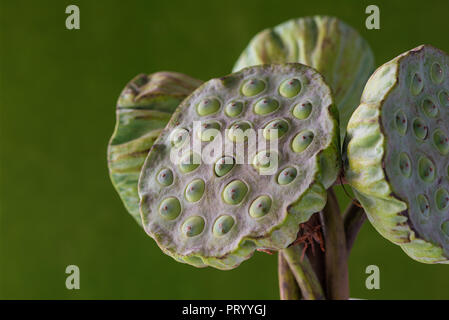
x=209 y=130
x=426 y=169
x=401 y=122
x=237 y=131
x=441 y=141
x=423 y=205
x=223 y=225
x=265 y=106
x=444 y=98
x=189 y=163
x=442 y=199
x=208 y=106
x=223 y=166
x=302 y=140
x=253 y=87
x=420 y=129
x=165 y=177
x=290 y=88
x=436 y=73
x=193 y=226
x=275 y=129
x=179 y=137
x=234 y=108
x=170 y=208
x=287 y=175
x=302 y=110
x=445 y=227
x=260 y=206
x=234 y=192
x=405 y=165
x=265 y=160
x=430 y=108
x=194 y=190
x=417 y=84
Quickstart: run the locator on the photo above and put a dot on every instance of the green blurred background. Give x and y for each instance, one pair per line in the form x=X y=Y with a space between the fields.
x=58 y=90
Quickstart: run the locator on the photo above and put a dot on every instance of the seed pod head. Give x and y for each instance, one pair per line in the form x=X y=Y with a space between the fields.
x=250 y=187
x=397 y=152
x=143 y=109
x=327 y=44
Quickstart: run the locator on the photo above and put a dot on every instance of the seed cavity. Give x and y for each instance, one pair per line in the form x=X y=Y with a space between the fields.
x=401 y=122
x=423 y=204
x=290 y=88
x=170 y=208
x=420 y=129
x=208 y=106
x=253 y=87
x=441 y=141
x=209 y=130
x=223 y=225
x=302 y=110
x=302 y=140
x=429 y=108
x=266 y=161
x=275 y=129
x=239 y=131
x=194 y=190
x=426 y=169
x=234 y=108
x=165 y=177
x=436 y=73
x=190 y=162
x=223 y=166
x=442 y=198
x=193 y=226
x=417 y=84
x=260 y=206
x=234 y=192
x=265 y=106
x=405 y=165
x=287 y=175
x=179 y=136
x=444 y=99
x=445 y=228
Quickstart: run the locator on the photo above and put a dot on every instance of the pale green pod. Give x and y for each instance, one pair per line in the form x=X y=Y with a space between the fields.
x=327 y=44
x=143 y=109
x=229 y=206
x=396 y=155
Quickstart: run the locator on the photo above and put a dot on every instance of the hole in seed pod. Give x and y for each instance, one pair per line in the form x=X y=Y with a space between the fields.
x=193 y=226
x=179 y=136
x=290 y=88
x=234 y=108
x=420 y=129
x=441 y=141
x=223 y=166
x=265 y=106
x=436 y=73
x=253 y=87
x=170 y=208
x=165 y=177
x=426 y=169
x=302 y=110
x=234 y=192
x=223 y=225
x=239 y=131
x=445 y=227
x=400 y=120
x=266 y=161
x=208 y=106
x=444 y=99
x=194 y=190
x=302 y=140
x=209 y=130
x=429 y=108
x=260 y=206
x=405 y=165
x=275 y=129
x=423 y=204
x=287 y=175
x=442 y=198
x=189 y=162
x=417 y=84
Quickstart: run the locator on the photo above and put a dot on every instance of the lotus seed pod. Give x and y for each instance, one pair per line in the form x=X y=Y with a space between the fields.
x=397 y=149
x=143 y=109
x=327 y=44
x=230 y=202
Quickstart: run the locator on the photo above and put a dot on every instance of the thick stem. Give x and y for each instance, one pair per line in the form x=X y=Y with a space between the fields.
x=337 y=281
x=303 y=273
x=288 y=287
x=354 y=218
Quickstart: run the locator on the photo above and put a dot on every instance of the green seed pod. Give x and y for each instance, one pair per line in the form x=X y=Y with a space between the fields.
x=397 y=153
x=143 y=109
x=236 y=205
x=327 y=44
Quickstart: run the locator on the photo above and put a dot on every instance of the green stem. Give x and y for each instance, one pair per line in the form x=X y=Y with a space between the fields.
x=354 y=218
x=303 y=273
x=288 y=286
x=337 y=281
